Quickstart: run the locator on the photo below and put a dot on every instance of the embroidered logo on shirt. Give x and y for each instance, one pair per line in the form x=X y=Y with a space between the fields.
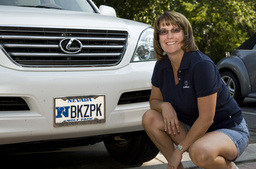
x=186 y=86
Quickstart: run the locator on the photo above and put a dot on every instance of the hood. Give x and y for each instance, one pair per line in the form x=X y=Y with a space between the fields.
x=39 y=17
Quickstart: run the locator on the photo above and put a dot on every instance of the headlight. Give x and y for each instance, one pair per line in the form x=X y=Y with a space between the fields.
x=144 y=50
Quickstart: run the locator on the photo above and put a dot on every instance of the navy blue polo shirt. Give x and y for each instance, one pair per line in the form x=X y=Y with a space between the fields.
x=198 y=76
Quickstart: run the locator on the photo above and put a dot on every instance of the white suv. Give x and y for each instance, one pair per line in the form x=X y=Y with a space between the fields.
x=70 y=73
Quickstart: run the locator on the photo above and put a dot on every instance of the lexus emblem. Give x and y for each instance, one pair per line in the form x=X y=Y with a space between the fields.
x=70 y=45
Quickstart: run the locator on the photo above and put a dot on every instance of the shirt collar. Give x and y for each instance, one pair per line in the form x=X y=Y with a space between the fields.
x=185 y=62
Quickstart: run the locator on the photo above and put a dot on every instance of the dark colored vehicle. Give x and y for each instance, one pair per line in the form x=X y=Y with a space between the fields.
x=239 y=70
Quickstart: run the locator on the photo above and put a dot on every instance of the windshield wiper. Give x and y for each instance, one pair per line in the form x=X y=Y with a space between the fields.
x=42 y=6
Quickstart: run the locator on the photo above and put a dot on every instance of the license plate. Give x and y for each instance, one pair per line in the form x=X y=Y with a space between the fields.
x=81 y=110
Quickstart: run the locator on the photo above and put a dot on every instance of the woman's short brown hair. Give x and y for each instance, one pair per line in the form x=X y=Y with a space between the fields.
x=179 y=20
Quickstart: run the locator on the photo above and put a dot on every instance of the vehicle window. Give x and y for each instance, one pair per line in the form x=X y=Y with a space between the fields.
x=249 y=44
x=74 y=5
x=254 y=47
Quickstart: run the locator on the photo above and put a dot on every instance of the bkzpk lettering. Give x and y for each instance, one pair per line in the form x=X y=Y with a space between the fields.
x=89 y=109
x=79 y=111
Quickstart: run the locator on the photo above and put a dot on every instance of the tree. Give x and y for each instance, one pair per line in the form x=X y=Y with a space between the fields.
x=219 y=25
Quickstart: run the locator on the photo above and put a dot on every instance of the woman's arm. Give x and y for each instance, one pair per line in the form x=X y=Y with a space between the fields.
x=206 y=108
x=156 y=99
x=170 y=118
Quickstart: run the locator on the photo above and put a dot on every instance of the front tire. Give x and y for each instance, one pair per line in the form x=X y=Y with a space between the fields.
x=233 y=86
x=131 y=149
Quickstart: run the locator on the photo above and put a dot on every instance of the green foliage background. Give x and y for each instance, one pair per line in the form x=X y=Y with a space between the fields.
x=219 y=25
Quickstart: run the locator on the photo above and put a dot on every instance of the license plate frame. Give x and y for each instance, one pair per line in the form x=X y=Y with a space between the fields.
x=79 y=110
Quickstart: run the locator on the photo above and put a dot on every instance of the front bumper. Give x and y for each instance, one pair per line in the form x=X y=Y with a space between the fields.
x=39 y=89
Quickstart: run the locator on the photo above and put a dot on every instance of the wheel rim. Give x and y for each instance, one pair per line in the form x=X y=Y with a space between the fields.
x=230 y=84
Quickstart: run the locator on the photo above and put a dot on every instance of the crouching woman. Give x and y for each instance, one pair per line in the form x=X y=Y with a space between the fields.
x=190 y=105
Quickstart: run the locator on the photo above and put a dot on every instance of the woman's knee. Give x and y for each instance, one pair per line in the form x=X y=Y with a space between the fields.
x=201 y=155
x=148 y=118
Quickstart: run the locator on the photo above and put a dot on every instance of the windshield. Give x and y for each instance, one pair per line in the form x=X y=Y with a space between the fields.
x=73 y=5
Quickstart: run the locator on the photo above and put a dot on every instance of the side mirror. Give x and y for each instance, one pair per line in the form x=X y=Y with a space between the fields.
x=107 y=10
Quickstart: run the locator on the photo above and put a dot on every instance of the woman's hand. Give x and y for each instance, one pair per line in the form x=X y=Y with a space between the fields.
x=171 y=121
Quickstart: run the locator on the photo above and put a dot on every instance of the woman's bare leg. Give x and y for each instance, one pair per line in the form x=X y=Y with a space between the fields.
x=154 y=126
x=215 y=150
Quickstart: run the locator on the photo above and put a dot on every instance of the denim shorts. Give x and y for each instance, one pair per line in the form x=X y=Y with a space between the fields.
x=239 y=134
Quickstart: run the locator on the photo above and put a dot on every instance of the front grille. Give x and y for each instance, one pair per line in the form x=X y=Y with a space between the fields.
x=13 y=104
x=134 y=97
x=42 y=46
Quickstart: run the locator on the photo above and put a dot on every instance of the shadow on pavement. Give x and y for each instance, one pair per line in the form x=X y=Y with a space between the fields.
x=88 y=157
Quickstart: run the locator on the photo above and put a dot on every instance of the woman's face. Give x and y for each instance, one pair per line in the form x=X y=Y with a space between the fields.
x=170 y=38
